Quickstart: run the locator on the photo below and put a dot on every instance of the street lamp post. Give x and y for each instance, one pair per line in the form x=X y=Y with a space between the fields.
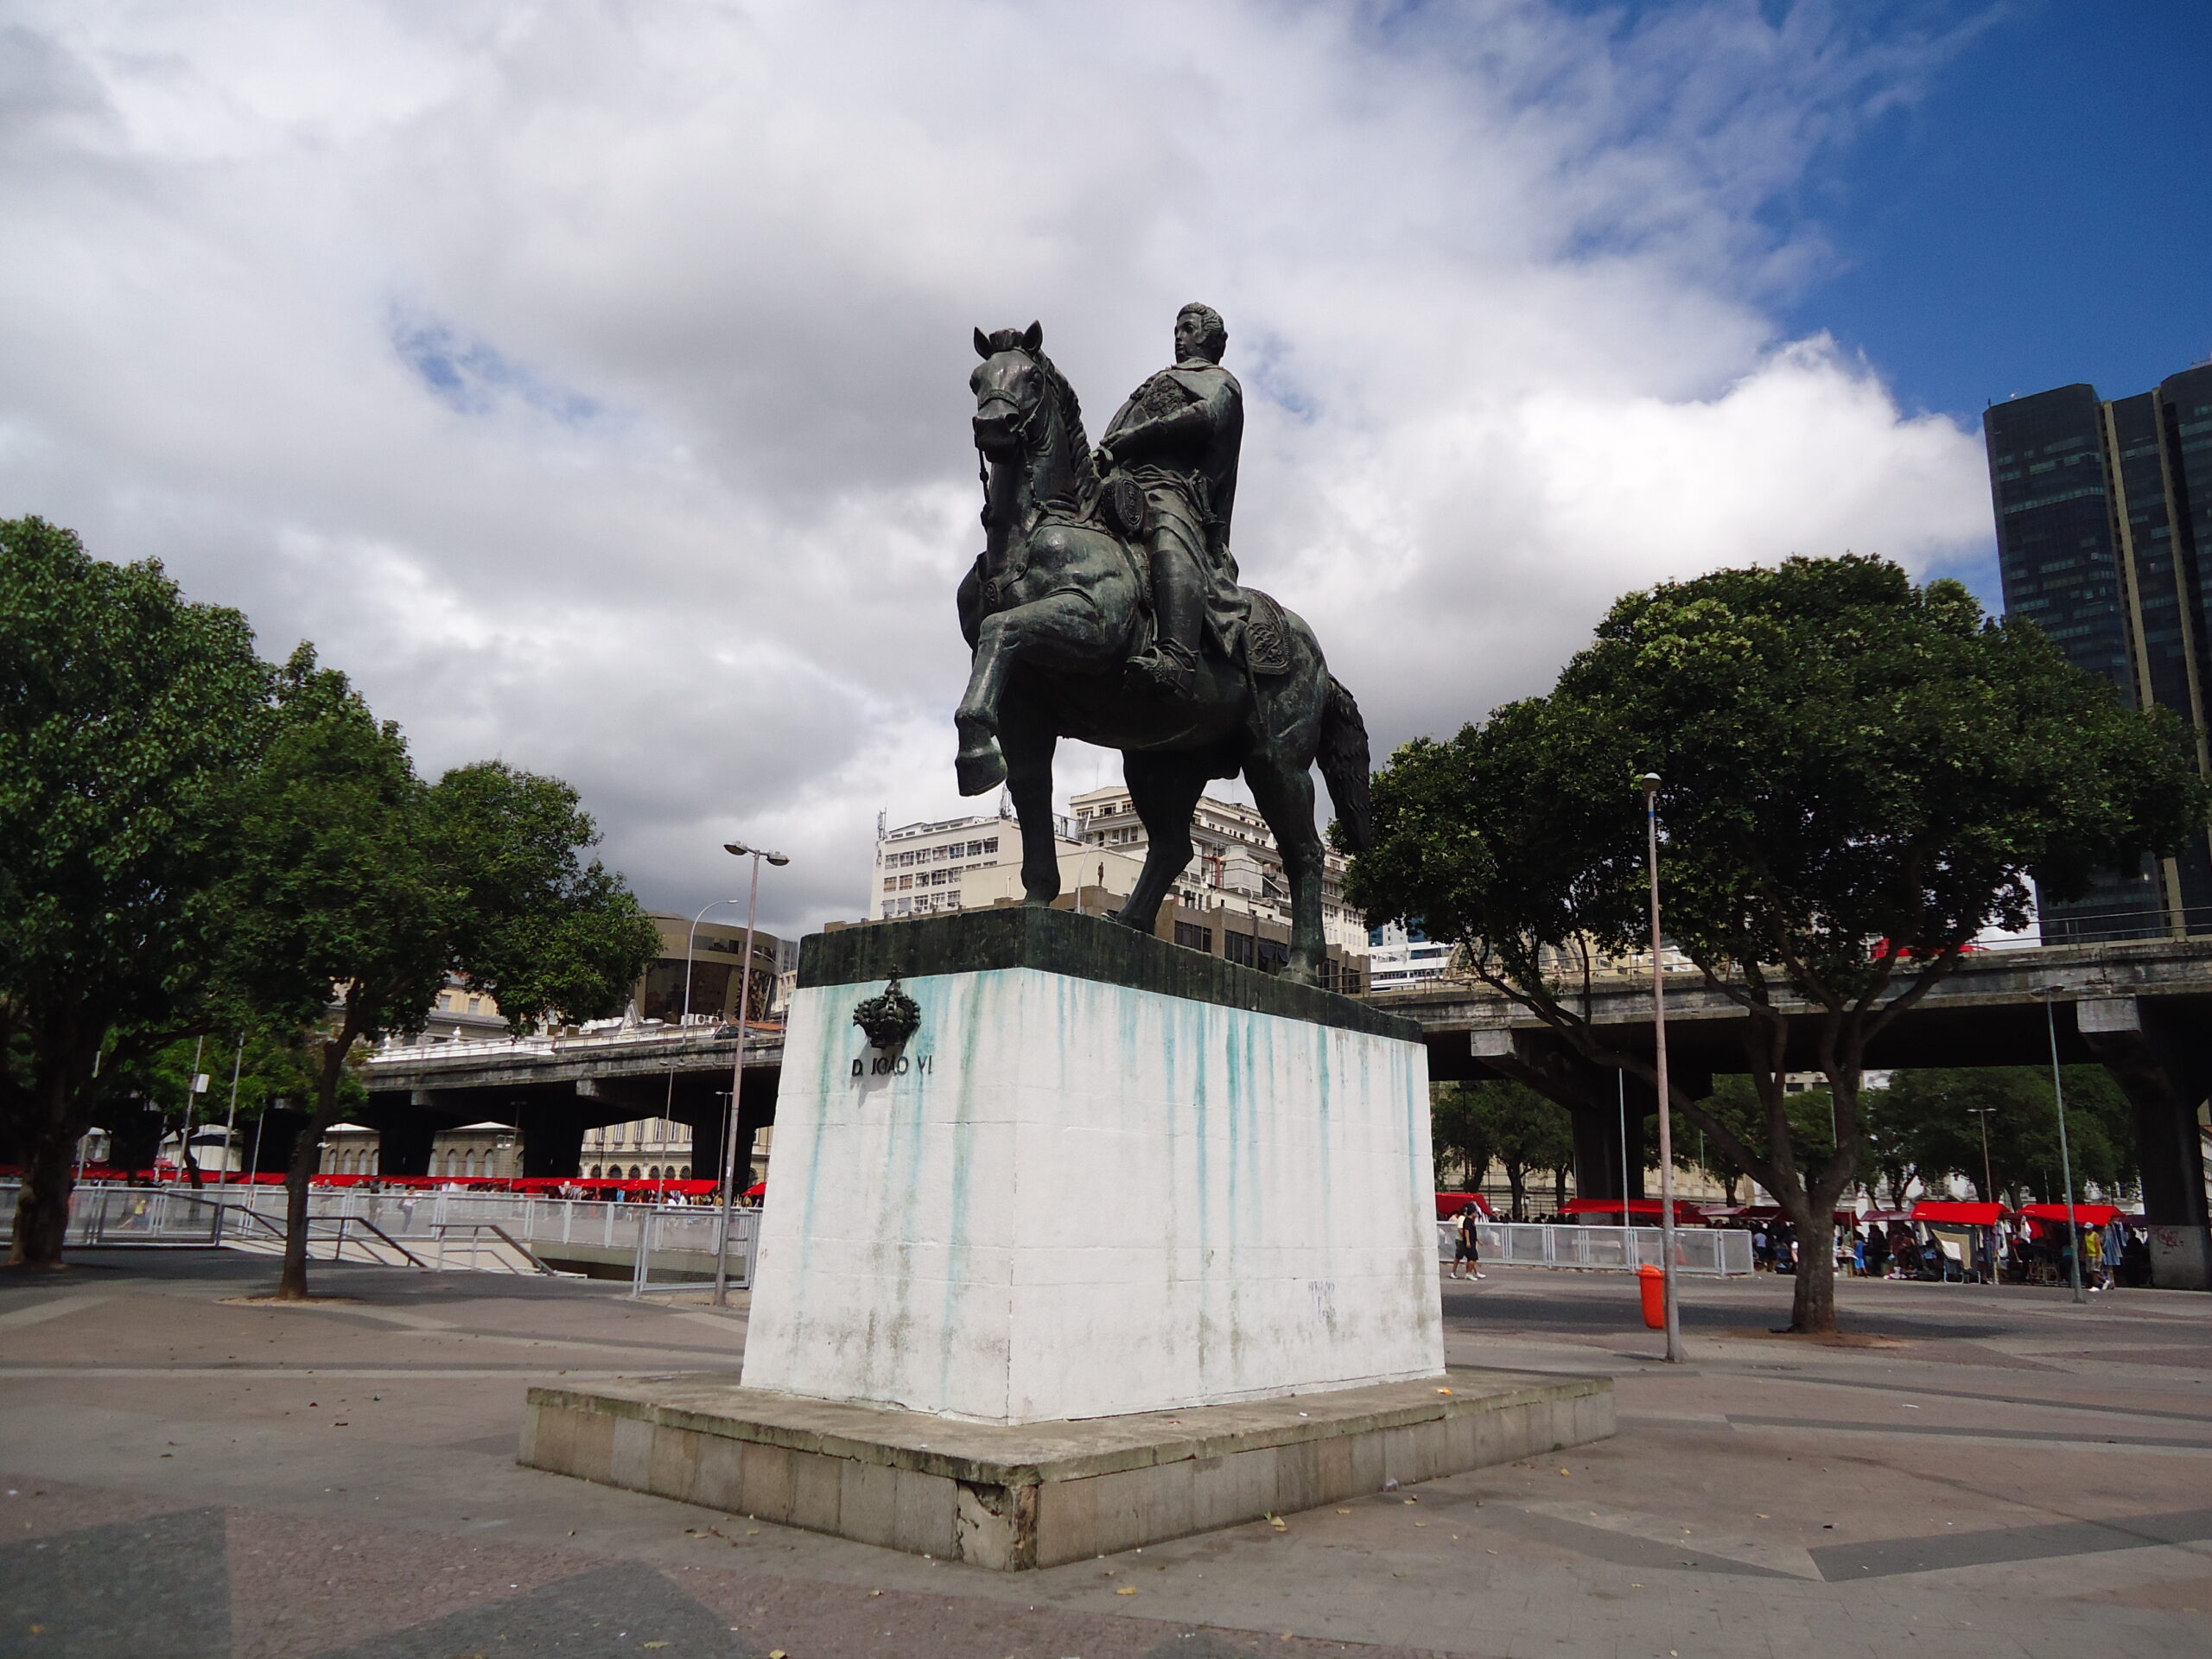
x=1988 y=1185
x=1649 y=782
x=737 y=1069
x=2050 y=994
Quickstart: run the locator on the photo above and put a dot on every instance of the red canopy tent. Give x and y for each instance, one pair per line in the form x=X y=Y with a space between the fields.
x=2089 y=1215
x=1959 y=1212
x=1684 y=1210
x=1449 y=1204
x=758 y=1189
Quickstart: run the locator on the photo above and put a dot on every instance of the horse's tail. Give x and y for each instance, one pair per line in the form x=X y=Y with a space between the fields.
x=1345 y=765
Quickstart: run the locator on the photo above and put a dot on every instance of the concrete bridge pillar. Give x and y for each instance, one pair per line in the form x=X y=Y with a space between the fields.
x=552 y=1139
x=2162 y=1062
x=404 y=1134
x=1592 y=1095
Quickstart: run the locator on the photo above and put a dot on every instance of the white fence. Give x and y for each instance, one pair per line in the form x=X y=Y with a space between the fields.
x=440 y=1230
x=1720 y=1253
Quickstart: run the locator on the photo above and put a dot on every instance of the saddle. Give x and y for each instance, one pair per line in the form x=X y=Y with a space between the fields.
x=1265 y=644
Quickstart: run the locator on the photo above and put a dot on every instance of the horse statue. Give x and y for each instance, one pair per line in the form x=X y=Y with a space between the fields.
x=1054 y=607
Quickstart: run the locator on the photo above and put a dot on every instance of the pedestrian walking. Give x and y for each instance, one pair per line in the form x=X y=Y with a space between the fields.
x=1466 y=1251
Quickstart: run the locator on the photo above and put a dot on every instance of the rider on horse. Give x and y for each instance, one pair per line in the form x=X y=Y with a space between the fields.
x=1176 y=440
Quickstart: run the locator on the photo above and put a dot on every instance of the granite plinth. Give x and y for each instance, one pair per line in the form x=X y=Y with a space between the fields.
x=1105 y=1175
x=1039 y=1494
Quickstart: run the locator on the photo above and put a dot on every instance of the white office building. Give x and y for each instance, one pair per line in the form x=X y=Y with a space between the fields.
x=922 y=869
x=1396 y=959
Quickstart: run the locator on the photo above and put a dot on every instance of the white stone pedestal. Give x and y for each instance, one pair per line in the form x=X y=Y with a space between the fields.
x=1105 y=1176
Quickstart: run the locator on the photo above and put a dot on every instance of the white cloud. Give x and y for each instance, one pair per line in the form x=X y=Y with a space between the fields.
x=589 y=381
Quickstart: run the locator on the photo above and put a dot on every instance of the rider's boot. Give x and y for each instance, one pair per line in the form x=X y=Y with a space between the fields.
x=1170 y=669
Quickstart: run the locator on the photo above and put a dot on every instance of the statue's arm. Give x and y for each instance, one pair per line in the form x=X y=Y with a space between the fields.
x=1190 y=427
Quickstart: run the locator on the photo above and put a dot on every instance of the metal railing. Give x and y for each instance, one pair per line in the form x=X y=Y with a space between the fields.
x=1718 y=1253
x=487 y=1231
x=175 y=1217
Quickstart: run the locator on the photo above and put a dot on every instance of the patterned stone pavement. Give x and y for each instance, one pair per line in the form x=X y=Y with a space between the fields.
x=184 y=1473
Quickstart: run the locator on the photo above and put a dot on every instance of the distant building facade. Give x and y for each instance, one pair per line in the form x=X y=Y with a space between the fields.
x=2104 y=526
x=1398 y=957
x=1232 y=901
x=928 y=868
x=1236 y=866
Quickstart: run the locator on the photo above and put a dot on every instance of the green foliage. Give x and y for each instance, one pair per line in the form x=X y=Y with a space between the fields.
x=1459 y=1134
x=544 y=933
x=275 y=1067
x=340 y=885
x=1735 y=1104
x=126 y=715
x=1502 y=1122
x=1846 y=759
x=1925 y=1123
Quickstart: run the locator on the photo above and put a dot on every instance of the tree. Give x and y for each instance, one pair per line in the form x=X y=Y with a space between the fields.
x=275 y=1067
x=1458 y=1136
x=1526 y=1133
x=362 y=889
x=1858 y=777
x=126 y=715
x=1735 y=1102
x=1931 y=1115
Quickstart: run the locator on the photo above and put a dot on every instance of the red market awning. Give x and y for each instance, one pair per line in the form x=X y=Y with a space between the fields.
x=1684 y=1210
x=758 y=1189
x=2089 y=1215
x=1959 y=1212
x=1449 y=1204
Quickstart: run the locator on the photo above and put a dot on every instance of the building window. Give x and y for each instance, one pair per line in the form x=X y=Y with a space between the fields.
x=1237 y=947
x=1274 y=955
x=1193 y=938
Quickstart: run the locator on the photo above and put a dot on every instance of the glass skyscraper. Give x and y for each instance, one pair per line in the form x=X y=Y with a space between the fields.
x=2104 y=537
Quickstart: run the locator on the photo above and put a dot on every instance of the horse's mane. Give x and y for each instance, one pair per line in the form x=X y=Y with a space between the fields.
x=1070 y=408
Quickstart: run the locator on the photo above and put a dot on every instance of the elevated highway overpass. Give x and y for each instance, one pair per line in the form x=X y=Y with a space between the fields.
x=2143 y=1008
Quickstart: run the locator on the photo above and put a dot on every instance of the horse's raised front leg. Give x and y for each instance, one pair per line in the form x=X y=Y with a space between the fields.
x=1284 y=796
x=1164 y=790
x=1027 y=744
x=1059 y=627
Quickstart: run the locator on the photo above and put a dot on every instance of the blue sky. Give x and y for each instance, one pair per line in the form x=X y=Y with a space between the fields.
x=2044 y=216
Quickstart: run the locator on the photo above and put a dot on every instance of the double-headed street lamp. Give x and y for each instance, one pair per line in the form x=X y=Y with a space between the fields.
x=2050 y=994
x=737 y=1069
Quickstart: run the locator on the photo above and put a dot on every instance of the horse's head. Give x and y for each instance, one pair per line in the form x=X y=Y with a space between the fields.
x=1011 y=386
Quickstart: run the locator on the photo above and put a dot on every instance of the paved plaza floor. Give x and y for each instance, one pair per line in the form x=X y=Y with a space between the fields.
x=184 y=1475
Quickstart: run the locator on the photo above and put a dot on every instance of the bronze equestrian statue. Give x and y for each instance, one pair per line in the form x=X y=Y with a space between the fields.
x=1105 y=606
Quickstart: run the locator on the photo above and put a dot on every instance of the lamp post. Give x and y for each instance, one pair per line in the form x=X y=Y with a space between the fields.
x=1650 y=783
x=737 y=1068
x=2050 y=994
x=1621 y=1078
x=1988 y=1185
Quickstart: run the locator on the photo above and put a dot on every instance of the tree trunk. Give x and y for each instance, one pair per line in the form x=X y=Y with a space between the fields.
x=42 y=1206
x=49 y=1153
x=1517 y=1183
x=1812 y=1305
x=306 y=1152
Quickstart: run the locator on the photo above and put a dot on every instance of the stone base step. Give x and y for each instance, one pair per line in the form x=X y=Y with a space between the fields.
x=1039 y=1494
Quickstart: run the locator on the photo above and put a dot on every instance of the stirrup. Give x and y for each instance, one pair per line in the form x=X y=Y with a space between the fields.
x=1167 y=673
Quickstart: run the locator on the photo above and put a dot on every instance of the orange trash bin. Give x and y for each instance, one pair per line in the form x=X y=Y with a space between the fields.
x=1652 y=1282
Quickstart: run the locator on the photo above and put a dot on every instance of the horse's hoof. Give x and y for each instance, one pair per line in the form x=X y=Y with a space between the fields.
x=979 y=771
